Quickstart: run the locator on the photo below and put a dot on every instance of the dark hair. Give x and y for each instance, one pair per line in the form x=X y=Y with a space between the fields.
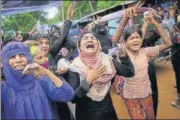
x=82 y=34
x=159 y=6
x=99 y=29
x=45 y=37
x=129 y=30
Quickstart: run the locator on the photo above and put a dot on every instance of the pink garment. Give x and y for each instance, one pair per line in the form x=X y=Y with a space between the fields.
x=91 y=61
x=96 y=61
x=139 y=86
x=45 y=64
x=101 y=85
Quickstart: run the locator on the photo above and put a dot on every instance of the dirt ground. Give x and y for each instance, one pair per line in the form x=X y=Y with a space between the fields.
x=167 y=93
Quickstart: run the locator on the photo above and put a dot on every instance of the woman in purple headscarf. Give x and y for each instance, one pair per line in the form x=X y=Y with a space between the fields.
x=23 y=95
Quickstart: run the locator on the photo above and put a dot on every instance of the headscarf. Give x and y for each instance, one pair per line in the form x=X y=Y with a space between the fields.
x=101 y=86
x=71 y=40
x=15 y=78
x=24 y=98
x=73 y=32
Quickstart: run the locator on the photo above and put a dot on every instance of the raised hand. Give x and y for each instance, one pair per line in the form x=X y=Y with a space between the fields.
x=93 y=74
x=122 y=50
x=152 y=17
x=130 y=12
x=71 y=10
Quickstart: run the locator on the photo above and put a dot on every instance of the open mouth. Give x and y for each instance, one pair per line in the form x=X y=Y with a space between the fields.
x=136 y=44
x=44 y=49
x=89 y=45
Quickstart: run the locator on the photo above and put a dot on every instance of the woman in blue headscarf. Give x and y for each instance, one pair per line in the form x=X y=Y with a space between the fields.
x=23 y=95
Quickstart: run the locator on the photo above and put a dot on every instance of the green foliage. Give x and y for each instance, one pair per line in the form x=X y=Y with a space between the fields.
x=105 y=4
x=25 y=21
x=83 y=7
x=22 y=22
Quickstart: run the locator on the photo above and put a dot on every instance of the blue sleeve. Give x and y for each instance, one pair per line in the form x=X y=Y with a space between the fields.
x=63 y=93
x=4 y=98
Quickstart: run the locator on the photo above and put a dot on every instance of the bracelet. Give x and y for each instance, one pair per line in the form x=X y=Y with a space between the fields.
x=121 y=28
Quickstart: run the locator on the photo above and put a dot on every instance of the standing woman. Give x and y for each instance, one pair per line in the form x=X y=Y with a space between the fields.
x=137 y=90
x=90 y=75
x=175 y=58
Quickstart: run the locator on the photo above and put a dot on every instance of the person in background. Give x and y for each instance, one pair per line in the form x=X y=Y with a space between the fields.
x=172 y=12
x=55 y=33
x=175 y=58
x=160 y=11
x=102 y=35
x=29 y=89
x=169 y=2
x=150 y=39
x=70 y=45
x=24 y=36
x=38 y=56
x=51 y=50
x=169 y=21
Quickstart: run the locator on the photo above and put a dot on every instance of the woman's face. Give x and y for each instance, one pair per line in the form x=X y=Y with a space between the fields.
x=172 y=11
x=44 y=45
x=19 y=37
x=134 y=42
x=160 y=11
x=89 y=44
x=18 y=62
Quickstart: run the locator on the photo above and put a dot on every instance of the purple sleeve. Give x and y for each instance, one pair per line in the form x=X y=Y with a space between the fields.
x=63 y=93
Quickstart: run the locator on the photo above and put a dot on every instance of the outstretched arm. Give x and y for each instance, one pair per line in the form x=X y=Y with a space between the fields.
x=56 y=46
x=128 y=14
x=166 y=40
x=32 y=30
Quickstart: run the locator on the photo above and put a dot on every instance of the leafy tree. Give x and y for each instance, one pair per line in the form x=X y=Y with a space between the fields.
x=25 y=21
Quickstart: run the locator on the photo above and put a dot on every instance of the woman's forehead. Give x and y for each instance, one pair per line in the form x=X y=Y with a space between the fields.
x=134 y=34
x=88 y=35
x=44 y=39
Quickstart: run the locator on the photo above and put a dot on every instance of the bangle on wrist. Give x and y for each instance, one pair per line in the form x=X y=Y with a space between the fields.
x=120 y=28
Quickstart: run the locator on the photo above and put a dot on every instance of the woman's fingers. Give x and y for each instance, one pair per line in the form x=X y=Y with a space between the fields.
x=26 y=69
x=72 y=13
x=31 y=68
x=101 y=69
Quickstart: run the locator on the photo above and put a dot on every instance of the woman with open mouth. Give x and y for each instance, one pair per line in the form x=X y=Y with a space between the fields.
x=137 y=92
x=91 y=75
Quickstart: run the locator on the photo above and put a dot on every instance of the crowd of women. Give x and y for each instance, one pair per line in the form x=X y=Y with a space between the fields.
x=67 y=74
